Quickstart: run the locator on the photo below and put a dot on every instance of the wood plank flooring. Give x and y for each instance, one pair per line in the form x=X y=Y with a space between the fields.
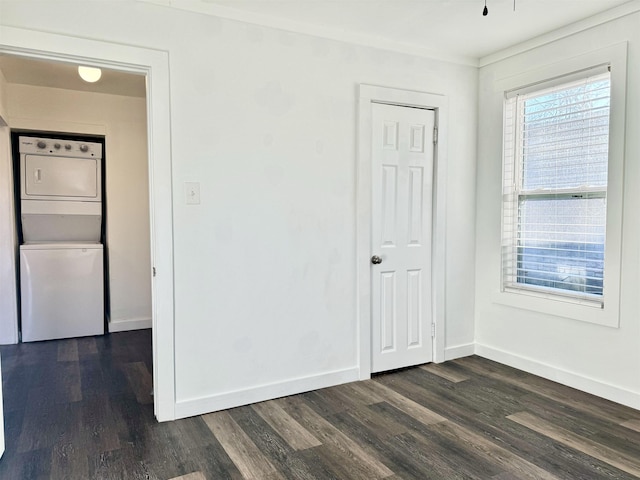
x=82 y=409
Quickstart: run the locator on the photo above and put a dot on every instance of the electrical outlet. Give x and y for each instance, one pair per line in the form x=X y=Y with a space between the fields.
x=192 y=193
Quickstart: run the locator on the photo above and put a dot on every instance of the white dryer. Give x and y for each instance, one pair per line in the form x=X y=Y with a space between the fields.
x=61 y=288
x=60 y=190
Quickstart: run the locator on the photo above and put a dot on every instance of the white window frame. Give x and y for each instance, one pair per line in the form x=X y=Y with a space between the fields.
x=514 y=191
x=606 y=313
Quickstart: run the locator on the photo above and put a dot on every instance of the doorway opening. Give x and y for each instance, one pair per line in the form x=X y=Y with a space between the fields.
x=152 y=67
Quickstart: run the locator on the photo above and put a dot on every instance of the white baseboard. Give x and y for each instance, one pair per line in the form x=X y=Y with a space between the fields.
x=126 y=324
x=459 y=351
x=199 y=406
x=574 y=380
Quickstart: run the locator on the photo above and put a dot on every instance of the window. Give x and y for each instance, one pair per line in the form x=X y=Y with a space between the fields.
x=556 y=158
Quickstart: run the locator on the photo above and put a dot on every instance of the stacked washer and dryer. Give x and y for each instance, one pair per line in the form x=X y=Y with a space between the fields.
x=61 y=257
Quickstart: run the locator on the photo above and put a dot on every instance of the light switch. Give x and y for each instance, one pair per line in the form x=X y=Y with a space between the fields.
x=192 y=193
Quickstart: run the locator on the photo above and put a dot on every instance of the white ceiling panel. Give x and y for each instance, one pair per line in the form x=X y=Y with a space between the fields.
x=454 y=28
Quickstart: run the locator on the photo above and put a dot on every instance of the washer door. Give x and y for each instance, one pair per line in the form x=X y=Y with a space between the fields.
x=61 y=291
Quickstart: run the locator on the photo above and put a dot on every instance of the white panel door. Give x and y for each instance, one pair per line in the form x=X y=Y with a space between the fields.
x=402 y=174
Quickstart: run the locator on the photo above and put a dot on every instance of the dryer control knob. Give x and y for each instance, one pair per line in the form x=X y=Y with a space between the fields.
x=84 y=148
x=67 y=146
x=41 y=144
x=56 y=146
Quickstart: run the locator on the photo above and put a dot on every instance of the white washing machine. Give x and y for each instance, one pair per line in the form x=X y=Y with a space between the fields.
x=61 y=290
x=61 y=260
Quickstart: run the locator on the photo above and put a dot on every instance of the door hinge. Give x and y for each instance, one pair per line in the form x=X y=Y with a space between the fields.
x=154 y=271
x=435 y=135
x=433 y=330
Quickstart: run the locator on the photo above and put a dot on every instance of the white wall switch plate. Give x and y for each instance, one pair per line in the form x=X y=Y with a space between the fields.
x=192 y=193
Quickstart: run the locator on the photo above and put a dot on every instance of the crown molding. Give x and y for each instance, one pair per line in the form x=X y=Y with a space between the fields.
x=623 y=10
x=340 y=35
x=365 y=40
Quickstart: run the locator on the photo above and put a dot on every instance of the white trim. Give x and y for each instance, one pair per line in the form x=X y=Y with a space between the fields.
x=321 y=31
x=559 y=375
x=373 y=41
x=563 y=81
x=2 y=439
x=127 y=324
x=222 y=401
x=369 y=94
x=155 y=65
x=30 y=123
x=459 y=351
x=623 y=10
x=616 y=56
x=8 y=247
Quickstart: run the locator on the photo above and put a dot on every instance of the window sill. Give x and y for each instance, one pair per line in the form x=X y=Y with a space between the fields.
x=559 y=306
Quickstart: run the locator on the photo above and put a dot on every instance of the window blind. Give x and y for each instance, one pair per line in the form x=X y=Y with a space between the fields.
x=556 y=147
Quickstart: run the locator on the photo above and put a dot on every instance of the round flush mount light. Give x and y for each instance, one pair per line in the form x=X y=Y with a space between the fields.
x=89 y=74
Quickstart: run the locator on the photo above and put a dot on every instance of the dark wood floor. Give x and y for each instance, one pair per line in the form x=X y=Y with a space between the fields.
x=82 y=409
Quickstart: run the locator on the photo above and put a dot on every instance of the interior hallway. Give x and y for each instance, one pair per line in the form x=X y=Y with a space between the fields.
x=81 y=408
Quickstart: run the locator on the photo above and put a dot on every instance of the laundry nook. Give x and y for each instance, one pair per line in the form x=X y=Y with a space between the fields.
x=75 y=202
x=61 y=254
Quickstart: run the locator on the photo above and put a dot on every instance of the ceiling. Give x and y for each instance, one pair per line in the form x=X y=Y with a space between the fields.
x=450 y=29
x=443 y=28
x=27 y=71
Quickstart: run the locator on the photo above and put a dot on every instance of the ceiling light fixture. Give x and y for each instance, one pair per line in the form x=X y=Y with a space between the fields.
x=89 y=74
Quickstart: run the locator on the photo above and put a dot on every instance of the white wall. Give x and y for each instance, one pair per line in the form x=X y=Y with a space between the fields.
x=595 y=358
x=123 y=122
x=3 y=94
x=8 y=240
x=265 y=120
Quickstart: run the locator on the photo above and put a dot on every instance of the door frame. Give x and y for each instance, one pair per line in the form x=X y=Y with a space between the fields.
x=154 y=64
x=369 y=94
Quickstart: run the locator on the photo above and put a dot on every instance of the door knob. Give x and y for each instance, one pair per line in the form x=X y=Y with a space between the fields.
x=376 y=260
